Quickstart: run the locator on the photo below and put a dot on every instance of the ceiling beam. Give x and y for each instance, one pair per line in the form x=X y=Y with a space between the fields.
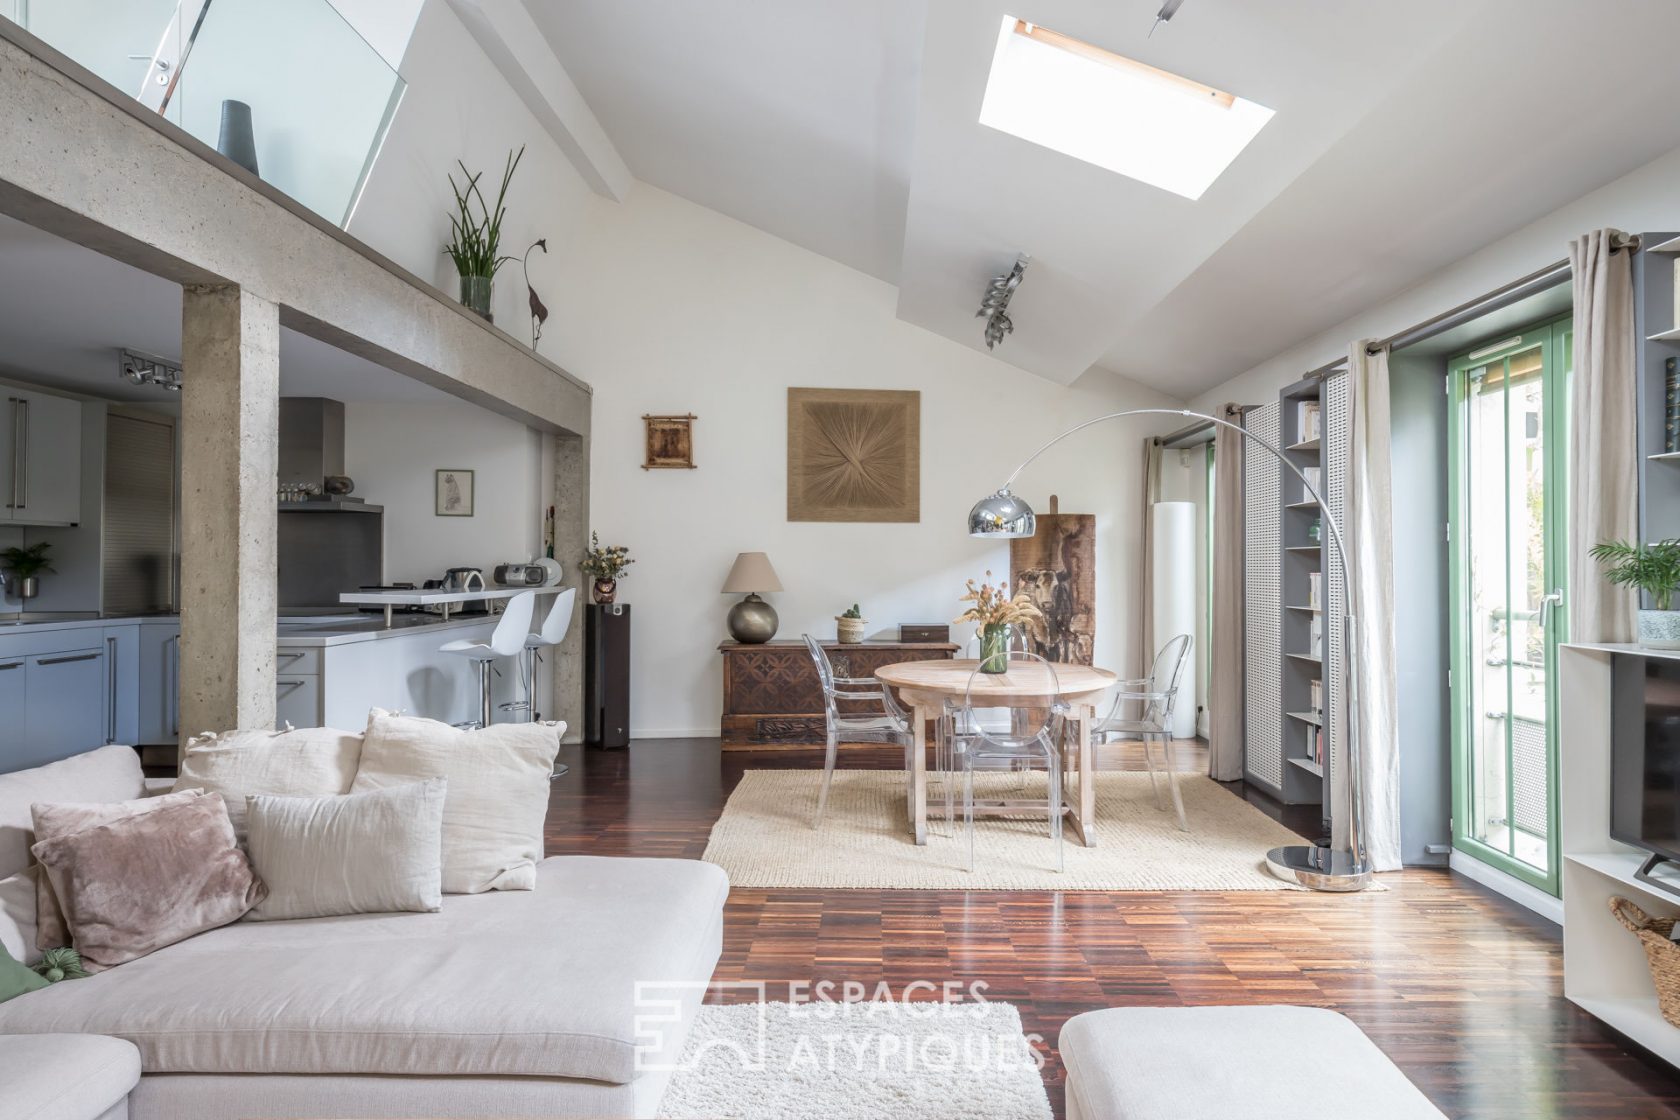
x=511 y=39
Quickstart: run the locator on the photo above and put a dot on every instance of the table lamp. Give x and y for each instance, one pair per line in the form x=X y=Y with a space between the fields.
x=752 y=621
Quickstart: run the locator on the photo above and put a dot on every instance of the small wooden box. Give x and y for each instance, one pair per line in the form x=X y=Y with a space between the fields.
x=924 y=632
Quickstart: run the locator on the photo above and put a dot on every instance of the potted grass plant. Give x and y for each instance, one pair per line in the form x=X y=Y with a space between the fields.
x=997 y=614
x=1653 y=569
x=26 y=566
x=475 y=234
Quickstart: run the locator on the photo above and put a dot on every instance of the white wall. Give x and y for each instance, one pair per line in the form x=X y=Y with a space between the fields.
x=1644 y=199
x=670 y=307
x=458 y=106
x=393 y=450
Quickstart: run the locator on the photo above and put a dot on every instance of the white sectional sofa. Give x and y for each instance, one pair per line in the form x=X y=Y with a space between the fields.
x=513 y=1004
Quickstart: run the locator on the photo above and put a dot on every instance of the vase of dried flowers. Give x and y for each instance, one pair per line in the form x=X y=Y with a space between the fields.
x=997 y=614
x=606 y=563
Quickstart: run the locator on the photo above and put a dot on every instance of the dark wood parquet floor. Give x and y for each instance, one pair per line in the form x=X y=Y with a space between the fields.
x=1461 y=988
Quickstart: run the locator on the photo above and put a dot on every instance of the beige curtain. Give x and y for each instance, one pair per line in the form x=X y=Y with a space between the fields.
x=1603 y=445
x=1225 y=643
x=1151 y=495
x=1370 y=544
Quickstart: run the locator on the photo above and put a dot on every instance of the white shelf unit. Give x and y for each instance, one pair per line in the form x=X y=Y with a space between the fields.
x=1604 y=970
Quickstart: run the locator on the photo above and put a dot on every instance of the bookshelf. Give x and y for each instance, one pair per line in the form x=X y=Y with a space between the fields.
x=1655 y=324
x=1301 y=416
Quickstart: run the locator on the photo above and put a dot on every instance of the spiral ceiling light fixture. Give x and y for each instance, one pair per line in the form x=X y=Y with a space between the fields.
x=994 y=308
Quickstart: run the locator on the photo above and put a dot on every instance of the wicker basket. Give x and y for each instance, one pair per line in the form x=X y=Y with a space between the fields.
x=1661 y=954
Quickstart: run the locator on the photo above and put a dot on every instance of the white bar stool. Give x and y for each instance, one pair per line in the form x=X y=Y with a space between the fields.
x=551 y=633
x=507 y=640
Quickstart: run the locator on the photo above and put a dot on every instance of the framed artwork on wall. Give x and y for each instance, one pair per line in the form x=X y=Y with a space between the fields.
x=1057 y=568
x=454 y=492
x=669 y=442
x=854 y=455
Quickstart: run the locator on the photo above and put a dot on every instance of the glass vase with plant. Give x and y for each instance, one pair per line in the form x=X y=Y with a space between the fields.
x=475 y=234
x=607 y=565
x=997 y=614
x=1655 y=570
x=26 y=564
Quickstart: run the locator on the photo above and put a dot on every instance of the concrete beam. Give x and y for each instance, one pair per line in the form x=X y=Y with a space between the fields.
x=230 y=440
x=571 y=539
x=81 y=160
x=510 y=37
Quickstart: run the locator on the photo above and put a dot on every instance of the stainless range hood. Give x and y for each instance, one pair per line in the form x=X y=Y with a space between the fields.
x=322 y=553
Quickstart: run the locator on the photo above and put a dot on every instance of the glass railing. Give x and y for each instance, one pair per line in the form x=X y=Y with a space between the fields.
x=287 y=89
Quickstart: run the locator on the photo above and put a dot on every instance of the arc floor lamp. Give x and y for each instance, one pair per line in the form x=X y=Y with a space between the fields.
x=1002 y=516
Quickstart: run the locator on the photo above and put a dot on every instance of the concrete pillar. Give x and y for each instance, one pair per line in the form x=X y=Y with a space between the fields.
x=571 y=537
x=230 y=438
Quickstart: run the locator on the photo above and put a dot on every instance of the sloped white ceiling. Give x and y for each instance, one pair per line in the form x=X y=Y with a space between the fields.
x=1405 y=136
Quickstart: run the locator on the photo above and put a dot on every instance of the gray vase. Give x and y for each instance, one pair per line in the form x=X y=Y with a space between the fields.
x=236 y=140
x=1659 y=629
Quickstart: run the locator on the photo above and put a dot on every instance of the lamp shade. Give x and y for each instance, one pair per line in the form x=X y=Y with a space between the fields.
x=1001 y=515
x=752 y=572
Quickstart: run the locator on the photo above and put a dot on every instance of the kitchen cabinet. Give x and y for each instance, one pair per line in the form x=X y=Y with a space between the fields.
x=40 y=458
x=122 y=683
x=297 y=701
x=157 y=686
x=65 y=708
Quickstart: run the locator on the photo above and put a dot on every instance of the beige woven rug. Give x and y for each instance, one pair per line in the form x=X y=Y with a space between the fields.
x=765 y=839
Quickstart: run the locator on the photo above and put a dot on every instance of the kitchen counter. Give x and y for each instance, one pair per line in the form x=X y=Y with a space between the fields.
x=337 y=630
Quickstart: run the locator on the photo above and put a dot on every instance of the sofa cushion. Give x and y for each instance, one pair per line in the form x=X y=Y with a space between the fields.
x=1169 y=1063
x=66 y=1076
x=302 y=762
x=107 y=774
x=145 y=881
x=537 y=983
x=358 y=853
x=17 y=915
x=498 y=791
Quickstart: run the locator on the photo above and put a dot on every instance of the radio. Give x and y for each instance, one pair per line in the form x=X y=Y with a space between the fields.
x=519 y=575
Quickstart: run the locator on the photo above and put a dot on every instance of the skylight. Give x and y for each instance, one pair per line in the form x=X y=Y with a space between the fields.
x=1140 y=122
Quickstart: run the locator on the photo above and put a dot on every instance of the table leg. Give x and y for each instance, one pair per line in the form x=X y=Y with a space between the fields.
x=387 y=616
x=1086 y=819
x=918 y=778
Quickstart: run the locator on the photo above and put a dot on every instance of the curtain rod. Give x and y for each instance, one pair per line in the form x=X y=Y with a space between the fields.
x=1503 y=296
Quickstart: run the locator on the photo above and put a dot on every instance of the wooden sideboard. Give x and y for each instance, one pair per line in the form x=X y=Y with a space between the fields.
x=772 y=699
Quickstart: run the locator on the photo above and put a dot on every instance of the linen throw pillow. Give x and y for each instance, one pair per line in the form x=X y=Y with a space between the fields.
x=149 y=880
x=362 y=853
x=64 y=818
x=17 y=978
x=497 y=794
x=302 y=762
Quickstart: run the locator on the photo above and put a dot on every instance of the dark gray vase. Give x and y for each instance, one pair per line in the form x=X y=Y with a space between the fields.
x=237 y=141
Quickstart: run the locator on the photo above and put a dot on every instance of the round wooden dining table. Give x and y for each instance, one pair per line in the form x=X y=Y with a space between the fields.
x=926 y=687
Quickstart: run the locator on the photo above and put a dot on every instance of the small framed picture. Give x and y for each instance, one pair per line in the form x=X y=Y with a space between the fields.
x=669 y=442
x=454 y=493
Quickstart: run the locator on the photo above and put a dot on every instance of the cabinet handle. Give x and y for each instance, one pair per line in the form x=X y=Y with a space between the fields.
x=171 y=687
x=11 y=665
x=13 y=401
x=67 y=660
x=111 y=676
x=295 y=655
x=21 y=473
x=289 y=686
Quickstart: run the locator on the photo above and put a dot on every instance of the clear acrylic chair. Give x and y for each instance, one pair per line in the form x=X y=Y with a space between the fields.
x=988 y=733
x=1155 y=697
x=888 y=725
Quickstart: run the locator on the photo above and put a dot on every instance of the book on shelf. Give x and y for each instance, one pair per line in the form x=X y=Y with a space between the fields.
x=1312 y=475
x=1315 y=636
x=1318 y=698
x=1306 y=421
x=1314 y=748
x=1315 y=581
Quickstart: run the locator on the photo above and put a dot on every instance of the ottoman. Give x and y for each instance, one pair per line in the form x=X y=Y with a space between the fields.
x=66 y=1076
x=1214 y=1063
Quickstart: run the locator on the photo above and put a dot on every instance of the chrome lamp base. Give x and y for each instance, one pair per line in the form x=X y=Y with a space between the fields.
x=1319 y=869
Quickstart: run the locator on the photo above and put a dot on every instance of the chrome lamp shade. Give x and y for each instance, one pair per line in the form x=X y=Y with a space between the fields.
x=1001 y=515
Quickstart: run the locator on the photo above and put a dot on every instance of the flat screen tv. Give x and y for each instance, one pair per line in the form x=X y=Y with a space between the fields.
x=1645 y=758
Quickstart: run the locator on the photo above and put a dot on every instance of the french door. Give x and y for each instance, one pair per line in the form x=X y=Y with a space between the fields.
x=1507 y=415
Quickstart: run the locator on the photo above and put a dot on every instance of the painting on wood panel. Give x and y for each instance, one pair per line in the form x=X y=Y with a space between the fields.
x=854 y=455
x=1057 y=568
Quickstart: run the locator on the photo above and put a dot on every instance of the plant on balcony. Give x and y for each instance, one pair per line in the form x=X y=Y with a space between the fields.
x=475 y=229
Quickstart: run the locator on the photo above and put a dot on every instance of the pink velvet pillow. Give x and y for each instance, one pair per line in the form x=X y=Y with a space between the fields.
x=61 y=818
x=136 y=884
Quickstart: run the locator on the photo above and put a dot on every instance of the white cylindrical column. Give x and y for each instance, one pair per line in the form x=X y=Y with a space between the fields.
x=1173 y=604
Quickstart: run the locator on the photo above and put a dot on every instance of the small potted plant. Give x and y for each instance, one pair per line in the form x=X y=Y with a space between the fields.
x=997 y=614
x=1655 y=570
x=26 y=564
x=849 y=626
x=475 y=235
x=607 y=564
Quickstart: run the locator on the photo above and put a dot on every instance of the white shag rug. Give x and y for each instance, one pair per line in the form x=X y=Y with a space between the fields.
x=764 y=838
x=857 y=1061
